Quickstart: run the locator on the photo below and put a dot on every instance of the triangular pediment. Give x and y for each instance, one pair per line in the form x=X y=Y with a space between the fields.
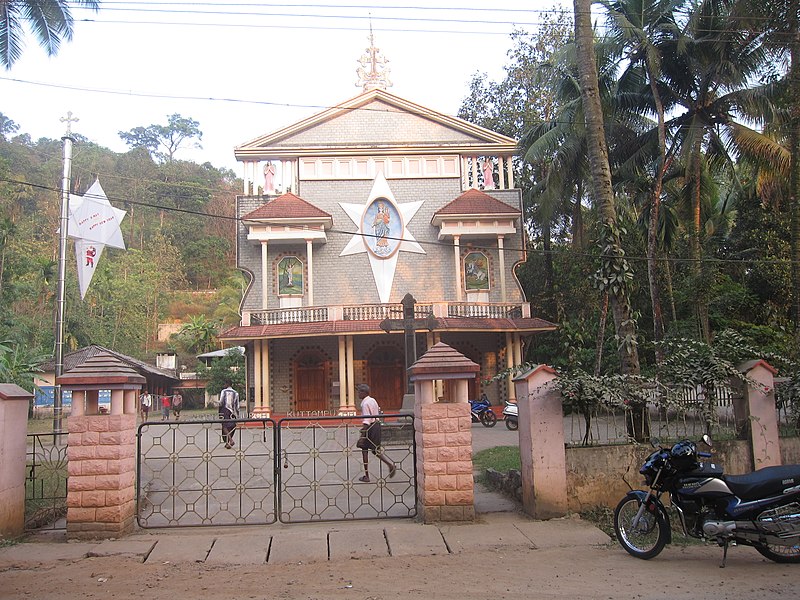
x=376 y=122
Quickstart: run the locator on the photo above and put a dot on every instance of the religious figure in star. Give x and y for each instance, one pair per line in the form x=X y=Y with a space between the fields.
x=380 y=227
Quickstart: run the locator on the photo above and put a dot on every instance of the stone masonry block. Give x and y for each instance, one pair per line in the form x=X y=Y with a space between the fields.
x=435 y=468
x=448 y=483
x=74 y=468
x=108 y=482
x=111 y=514
x=433 y=498
x=77 y=424
x=123 y=465
x=81 y=515
x=464 y=453
x=98 y=423
x=74 y=439
x=448 y=425
x=117 y=497
x=80 y=452
x=110 y=437
x=93 y=499
x=109 y=452
x=95 y=467
x=456 y=513
x=459 y=409
x=437 y=410
x=90 y=438
x=447 y=454
x=459 y=467
x=73 y=500
x=429 y=454
x=432 y=440
x=463 y=438
x=431 y=514
x=80 y=483
x=465 y=482
x=459 y=498
x=465 y=424
x=429 y=426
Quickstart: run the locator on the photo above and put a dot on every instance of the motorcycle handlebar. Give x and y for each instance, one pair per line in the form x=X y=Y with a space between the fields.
x=704 y=454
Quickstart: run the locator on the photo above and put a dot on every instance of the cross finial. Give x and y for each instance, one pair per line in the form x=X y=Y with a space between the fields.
x=69 y=120
x=374 y=71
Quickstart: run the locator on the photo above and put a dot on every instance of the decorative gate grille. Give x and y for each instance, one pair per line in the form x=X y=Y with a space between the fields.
x=293 y=470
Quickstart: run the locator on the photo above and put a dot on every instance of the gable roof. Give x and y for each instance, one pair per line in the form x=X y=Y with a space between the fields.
x=377 y=122
x=80 y=356
x=286 y=206
x=476 y=202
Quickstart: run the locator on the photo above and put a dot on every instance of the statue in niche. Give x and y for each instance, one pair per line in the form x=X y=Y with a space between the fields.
x=488 y=174
x=269 y=178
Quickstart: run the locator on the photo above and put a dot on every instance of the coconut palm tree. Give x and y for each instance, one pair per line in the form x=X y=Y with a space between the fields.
x=50 y=21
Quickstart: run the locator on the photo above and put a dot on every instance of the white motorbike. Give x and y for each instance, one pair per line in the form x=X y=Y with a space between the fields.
x=511 y=415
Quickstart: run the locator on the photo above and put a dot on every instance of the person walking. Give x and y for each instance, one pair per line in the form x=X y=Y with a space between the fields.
x=177 y=404
x=145 y=401
x=165 y=404
x=370 y=439
x=228 y=412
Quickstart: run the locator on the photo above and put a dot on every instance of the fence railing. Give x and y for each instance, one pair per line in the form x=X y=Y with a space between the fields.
x=46 y=481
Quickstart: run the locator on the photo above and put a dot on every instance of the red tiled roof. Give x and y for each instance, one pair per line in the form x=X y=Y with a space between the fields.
x=286 y=206
x=476 y=202
x=288 y=330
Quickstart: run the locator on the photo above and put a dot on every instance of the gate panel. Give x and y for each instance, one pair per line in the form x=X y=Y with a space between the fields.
x=320 y=467
x=186 y=476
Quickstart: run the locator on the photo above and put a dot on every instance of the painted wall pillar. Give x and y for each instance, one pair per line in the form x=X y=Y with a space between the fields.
x=457 y=258
x=541 y=444
x=755 y=414
x=14 y=402
x=264 y=275
x=310 y=257
x=443 y=430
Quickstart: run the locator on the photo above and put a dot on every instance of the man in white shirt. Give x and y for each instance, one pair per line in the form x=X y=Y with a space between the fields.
x=370 y=440
x=228 y=411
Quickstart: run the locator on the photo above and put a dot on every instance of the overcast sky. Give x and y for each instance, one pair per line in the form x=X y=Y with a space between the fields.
x=248 y=68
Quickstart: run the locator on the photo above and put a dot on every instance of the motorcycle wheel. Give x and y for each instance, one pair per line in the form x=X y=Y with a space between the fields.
x=512 y=424
x=780 y=554
x=649 y=537
x=488 y=418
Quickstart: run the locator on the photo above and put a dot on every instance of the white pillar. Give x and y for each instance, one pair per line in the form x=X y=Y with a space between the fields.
x=502 y=261
x=501 y=176
x=267 y=399
x=343 y=408
x=510 y=171
x=244 y=179
x=351 y=384
x=510 y=363
x=264 y=275
x=310 y=256
x=474 y=172
x=258 y=400
x=457 y=256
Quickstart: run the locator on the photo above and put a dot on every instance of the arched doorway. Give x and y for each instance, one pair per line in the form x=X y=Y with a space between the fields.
x=311 y=382
x=386 y=377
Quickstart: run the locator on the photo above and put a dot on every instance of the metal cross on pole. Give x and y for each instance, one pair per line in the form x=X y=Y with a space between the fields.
x=62 y=270
x=409 y=325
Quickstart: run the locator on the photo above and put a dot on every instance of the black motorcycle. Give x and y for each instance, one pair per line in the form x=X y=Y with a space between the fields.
x=759 y=509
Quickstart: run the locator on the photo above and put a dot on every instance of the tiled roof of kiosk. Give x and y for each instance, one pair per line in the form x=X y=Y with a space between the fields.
x=102 y=368
x=286 y=206
x=286 y=330
x=441 y=358
x=476 y=202
x=78 y=357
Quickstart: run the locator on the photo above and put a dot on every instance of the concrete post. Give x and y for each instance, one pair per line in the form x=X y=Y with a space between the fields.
x=14 y=402
x=443 y=430
x=541 y=444
x=755 y=414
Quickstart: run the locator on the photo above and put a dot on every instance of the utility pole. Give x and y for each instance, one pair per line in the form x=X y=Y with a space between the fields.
x=62 y=270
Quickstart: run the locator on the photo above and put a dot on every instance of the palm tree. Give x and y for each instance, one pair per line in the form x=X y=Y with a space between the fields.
x=709 y=70
x=49 y=20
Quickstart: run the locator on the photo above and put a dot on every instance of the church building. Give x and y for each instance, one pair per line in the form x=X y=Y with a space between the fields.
x=370 y=232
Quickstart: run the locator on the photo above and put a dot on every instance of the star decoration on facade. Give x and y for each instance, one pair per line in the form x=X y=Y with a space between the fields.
x=382 y=233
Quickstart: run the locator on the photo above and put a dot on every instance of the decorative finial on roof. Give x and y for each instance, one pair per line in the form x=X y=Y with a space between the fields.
x=373 y=72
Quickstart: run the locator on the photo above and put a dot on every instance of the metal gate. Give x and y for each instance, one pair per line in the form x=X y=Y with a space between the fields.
x=292 y=470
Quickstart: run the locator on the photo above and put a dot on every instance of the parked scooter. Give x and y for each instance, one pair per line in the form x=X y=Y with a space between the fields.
x=482 y=412
x=759 y=509
x=511 y=415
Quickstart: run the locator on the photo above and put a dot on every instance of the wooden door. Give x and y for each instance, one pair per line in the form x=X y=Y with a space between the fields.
x=310 y=383
x=385 y=376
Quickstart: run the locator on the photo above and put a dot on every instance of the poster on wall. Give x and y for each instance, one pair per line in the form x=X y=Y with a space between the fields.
x=476 y=271
x=290 y=276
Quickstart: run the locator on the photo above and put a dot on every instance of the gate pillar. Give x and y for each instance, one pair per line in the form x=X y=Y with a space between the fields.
x=14 y=403
x=101 y=449
x=755 y=414
x=445 y=488
x=541 y=444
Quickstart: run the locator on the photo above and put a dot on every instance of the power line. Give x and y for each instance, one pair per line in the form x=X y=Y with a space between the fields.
x=631 y=258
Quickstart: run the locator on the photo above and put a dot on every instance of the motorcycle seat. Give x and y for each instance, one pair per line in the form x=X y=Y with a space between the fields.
x=769 y=481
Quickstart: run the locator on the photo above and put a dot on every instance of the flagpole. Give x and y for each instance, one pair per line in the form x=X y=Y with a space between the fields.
x=62 y=271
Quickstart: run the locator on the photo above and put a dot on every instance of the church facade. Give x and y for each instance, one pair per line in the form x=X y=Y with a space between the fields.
x=359 y=213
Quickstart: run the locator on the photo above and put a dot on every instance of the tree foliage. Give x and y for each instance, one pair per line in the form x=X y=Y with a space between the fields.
x=164 y=141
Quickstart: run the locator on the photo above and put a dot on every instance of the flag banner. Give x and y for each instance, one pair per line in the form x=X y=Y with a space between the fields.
x=87 y=254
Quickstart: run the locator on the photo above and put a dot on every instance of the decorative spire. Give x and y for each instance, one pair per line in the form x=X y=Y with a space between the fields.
x=373 y=72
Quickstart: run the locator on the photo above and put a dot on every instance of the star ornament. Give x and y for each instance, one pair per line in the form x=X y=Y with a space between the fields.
x=382 y=233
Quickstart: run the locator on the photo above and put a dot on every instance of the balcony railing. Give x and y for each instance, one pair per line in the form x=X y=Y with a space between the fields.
x=372 y=312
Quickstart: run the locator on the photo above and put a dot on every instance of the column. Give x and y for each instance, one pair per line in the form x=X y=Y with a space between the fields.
x=457 y=256
x=310 y=256
x=264 y=275
x=258 y=400
x=342 y=375
x=474 y=172
x=13 y=447
x=501 y=176
x=244 y=179
x=509 y=364
x=755 y=414
x=265 y=381
x=502 y=257
x=510 y=171
x=351 y=375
